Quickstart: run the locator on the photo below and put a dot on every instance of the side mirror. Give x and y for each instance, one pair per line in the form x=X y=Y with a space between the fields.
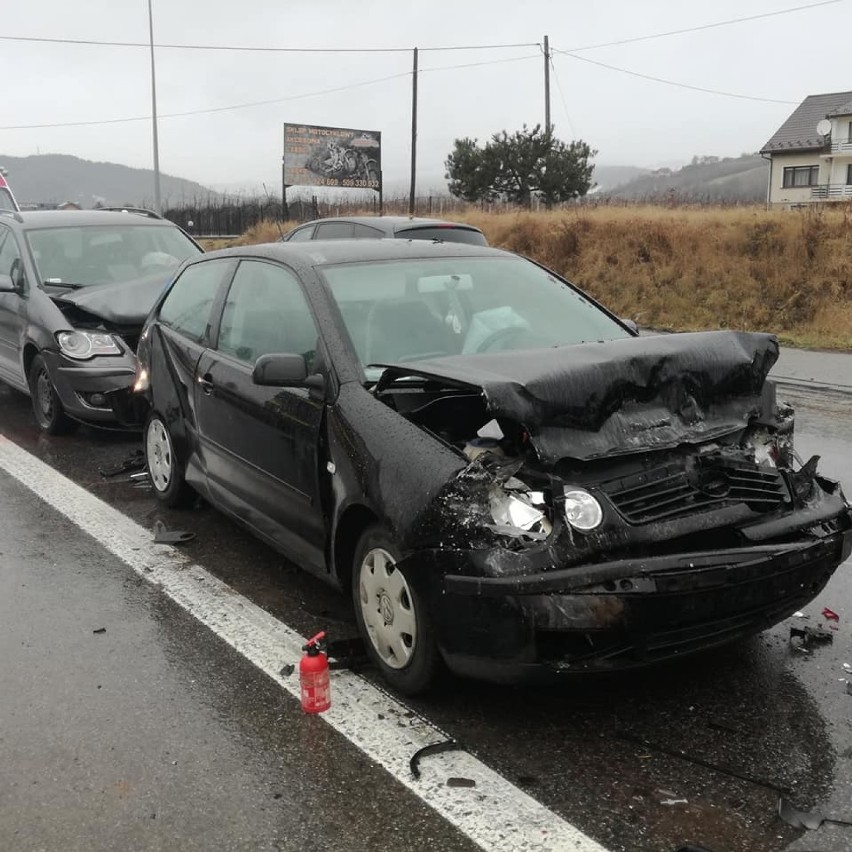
x=631 y=324
x=7 y=285
x=284 y=370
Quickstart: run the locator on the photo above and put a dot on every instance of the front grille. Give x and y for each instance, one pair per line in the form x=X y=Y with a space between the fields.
x=673 y=490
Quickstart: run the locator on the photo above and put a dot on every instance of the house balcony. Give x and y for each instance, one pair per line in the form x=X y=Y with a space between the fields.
x=831 y=191
x=842 y=147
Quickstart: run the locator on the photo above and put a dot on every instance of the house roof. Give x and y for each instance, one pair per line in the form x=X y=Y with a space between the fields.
x=798 y=132
x=843 y=109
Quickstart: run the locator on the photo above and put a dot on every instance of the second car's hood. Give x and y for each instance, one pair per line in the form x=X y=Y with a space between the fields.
x=619 y=396
x=127 y=303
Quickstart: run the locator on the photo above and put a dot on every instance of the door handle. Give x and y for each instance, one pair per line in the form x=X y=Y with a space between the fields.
x=206 y=382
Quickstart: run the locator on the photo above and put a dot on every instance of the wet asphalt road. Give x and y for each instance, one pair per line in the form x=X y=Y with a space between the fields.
x=184 y=729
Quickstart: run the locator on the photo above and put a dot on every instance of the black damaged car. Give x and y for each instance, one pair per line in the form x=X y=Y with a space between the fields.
x=506 y=477
x=75 y=289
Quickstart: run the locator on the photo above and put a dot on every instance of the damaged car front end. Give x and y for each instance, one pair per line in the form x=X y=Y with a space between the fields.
x=624 y=503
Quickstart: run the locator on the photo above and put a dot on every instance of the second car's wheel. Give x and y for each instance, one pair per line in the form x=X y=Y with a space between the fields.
x=392 y=617
x=165 y=470
x=47 y=406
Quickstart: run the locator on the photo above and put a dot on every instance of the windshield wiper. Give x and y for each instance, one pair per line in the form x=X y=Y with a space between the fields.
x=68 y=285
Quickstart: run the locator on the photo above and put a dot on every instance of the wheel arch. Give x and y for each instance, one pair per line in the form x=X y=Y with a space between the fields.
x=354 y=520
x=28 y=355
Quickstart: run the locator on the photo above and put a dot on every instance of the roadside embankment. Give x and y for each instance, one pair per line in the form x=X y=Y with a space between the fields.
x=693 y=268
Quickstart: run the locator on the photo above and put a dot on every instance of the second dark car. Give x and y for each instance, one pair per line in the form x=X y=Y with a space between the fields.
x=75 y=288
x=506 y=477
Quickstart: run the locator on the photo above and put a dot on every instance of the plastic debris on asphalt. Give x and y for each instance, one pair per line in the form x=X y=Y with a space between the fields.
x=432 y=748
x=809 y=636
x=811 y=820
x=162 y=535
x=135 y=461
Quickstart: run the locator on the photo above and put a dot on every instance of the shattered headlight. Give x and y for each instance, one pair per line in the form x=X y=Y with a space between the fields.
x=582 y=510
x=86 y=344
x=519 y=512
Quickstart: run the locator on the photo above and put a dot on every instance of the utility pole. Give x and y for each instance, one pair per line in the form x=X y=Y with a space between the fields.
x=157 y=204
x=413 y=135
x=547 y=85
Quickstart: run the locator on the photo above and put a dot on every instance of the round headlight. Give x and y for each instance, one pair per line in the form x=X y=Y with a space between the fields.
x=582 y=510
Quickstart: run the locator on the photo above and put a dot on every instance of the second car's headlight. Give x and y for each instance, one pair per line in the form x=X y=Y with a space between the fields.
x=86 y=344
x=582 y=510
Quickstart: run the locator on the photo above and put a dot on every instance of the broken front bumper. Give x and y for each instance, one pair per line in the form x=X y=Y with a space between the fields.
x=627 y=613
x=87 y=388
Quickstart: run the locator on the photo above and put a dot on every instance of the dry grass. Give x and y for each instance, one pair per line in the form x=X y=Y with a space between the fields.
x=683 y=268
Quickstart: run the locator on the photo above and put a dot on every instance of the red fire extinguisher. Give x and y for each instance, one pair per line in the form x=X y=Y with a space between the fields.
x=313 y=676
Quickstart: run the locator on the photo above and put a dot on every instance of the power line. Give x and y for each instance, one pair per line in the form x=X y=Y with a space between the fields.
x=248 y=48
x=673 y=82
x=562 y=97
x=211 y=109
x=704 y=26
x=479 y=64
x=270 y=102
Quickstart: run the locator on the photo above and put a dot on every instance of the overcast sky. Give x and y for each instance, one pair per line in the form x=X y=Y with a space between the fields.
x=628 y=119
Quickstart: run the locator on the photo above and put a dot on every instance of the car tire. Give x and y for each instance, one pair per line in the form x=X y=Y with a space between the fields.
x=47 y=407
x=165 y=470
x=392 y=617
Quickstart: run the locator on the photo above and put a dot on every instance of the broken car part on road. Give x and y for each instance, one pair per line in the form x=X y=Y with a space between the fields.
x=509 y=479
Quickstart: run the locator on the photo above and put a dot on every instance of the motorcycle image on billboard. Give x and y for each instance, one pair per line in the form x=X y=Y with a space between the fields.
x=332 y=156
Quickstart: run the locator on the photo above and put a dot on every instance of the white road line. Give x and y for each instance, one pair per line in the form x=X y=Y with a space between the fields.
x=494 y=814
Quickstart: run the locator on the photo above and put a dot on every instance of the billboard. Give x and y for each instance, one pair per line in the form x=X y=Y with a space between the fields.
x=332 y=156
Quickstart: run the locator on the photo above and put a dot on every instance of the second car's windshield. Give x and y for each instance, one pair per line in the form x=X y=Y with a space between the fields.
x=408 y=310
x=104 y=254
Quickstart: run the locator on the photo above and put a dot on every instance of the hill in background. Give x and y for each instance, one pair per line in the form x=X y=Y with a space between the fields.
x=54 y=178
x=705 y=179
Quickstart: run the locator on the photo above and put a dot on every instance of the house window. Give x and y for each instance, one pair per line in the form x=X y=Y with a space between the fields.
x=795 y=176
x=849 y=137
x=849 y=174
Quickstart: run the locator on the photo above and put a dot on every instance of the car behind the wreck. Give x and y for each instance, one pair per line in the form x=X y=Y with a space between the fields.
x=507 y=477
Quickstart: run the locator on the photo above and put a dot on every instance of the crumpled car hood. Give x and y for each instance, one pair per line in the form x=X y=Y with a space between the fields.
x=127 y=303
x=621 y=396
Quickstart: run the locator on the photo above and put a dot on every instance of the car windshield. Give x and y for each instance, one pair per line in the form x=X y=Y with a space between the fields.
x=398 y=311
x=106 y=254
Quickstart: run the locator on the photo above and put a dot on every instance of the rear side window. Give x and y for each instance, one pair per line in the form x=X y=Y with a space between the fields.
x=300 y=235
x=366 y=232
x=187 y=307
x=449 y=234
x=335 y=231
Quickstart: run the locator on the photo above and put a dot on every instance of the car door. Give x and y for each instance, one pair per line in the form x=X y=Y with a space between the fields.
x=13 y=310
x=180 y=335
x=261 y=444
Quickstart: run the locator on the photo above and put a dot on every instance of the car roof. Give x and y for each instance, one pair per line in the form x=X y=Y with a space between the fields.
x=28 y=219
x=393 y=224
x=329 y=252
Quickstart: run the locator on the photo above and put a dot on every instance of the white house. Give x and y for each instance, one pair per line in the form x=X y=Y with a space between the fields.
x=810 y=155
